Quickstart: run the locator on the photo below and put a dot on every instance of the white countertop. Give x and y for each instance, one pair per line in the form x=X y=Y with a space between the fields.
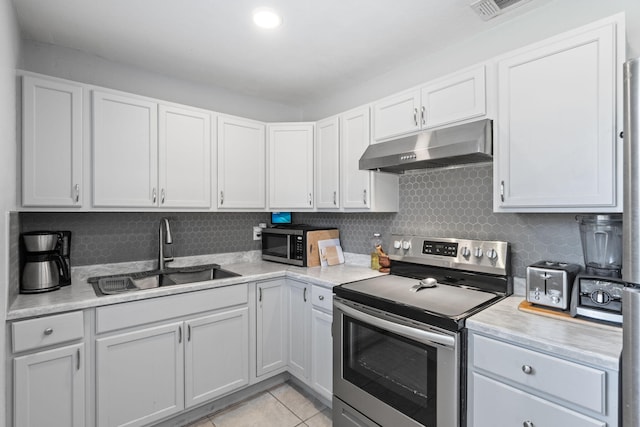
x=80 y=294
x=585 y=341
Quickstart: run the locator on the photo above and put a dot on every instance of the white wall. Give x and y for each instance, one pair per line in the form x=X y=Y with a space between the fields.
x=547 y=20
x=83 y=67
x=9 y=51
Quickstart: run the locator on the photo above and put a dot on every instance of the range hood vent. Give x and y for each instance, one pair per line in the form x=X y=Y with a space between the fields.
x=488 y=9
x=457 y=145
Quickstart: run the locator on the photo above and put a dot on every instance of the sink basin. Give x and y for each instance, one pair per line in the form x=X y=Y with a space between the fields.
x=116 y=284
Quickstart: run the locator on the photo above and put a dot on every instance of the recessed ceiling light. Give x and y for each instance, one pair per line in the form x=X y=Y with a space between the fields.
x=266 y=18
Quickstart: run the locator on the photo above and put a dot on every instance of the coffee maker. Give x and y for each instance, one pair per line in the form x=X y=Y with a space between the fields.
x=45 y=261
x=597 y=293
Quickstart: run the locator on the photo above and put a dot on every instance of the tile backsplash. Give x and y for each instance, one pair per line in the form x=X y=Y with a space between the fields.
x=454 y=202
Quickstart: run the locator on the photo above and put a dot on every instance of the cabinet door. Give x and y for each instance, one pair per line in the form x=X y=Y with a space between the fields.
x=125 y=151
x=291 y=166
x=185 y=158
x=271 y=327
x=51 y=143
x=216 y=355
x=299 y=308
x=139 y=376
x=241 y=163
x=321 y=353
x=356 y=184
x=454 y=98
x=556 y=127
x=397 y=115
x=49 y=388
x=498 y=405
x=328 y=164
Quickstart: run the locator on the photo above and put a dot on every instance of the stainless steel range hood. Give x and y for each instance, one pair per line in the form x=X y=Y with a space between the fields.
x=461 y=144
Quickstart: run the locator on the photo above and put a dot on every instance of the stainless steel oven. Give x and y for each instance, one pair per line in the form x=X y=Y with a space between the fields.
x=398 y=371
x=399 y=341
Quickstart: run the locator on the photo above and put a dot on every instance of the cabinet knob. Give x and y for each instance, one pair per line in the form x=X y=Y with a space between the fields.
x=321 y=297
x=527 y=424
x=48 y=331
x=527 y=370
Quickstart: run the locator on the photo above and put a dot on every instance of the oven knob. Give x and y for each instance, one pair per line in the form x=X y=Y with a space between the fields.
x=465 y=252
x=406 y=244
x=478 y=253
x=397 y=244
x=492 y=254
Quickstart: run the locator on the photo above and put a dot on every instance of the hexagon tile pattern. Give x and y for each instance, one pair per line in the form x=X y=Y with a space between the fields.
x=454 y=202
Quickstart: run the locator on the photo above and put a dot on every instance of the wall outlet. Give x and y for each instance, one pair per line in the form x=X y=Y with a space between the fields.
x=257 y=233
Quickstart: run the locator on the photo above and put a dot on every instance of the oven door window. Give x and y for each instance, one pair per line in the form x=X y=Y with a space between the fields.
x=276 y=245
x=398 y=371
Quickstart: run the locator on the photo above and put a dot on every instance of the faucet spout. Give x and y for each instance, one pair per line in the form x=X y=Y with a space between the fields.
x=164 y=237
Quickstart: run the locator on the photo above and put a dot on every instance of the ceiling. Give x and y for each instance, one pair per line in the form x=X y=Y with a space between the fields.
x=323 y=46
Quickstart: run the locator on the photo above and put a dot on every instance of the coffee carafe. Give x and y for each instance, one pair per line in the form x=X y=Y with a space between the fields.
x=601 y=237
x=45 y=261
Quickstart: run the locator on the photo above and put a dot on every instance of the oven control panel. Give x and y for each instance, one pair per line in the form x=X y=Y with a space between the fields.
x=439 y=248
x=487 y=256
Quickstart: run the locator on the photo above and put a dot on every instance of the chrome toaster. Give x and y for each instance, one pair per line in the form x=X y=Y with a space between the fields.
x=549 y=283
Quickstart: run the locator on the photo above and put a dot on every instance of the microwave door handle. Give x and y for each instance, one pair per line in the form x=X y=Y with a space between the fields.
x=425 y=337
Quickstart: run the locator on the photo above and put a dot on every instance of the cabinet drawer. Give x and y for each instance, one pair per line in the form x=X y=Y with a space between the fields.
x=125 y=315
x=45 y=331
x=499 y=405
x=572 y=382
x=322 y=298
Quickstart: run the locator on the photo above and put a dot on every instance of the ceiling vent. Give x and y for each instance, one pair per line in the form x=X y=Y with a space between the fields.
x=488 y=9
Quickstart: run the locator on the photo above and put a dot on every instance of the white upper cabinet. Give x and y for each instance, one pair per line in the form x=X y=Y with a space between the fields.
x=291 y=166
x=184 y=157
x=363 y=190
x=137 y=163
x=556 y=143
x=51 y=143
x=456 y=97
x=241 y=164
x=125 y=151
x=327 y=164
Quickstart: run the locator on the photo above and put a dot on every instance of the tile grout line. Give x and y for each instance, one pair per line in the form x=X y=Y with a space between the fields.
x=284 y=404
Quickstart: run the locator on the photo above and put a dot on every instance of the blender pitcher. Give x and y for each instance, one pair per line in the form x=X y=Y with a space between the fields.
x=601 y=237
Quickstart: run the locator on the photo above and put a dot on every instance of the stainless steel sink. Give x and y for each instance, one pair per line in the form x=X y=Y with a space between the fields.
x=131 y=282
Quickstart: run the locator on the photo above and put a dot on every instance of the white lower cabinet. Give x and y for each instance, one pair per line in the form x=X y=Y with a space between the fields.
x=139 y=376
x=169 y=364
x=299 y=308
x=271 y=327
x=49 y=369
x=49 y=388
x=322 y=353
x=512 y=385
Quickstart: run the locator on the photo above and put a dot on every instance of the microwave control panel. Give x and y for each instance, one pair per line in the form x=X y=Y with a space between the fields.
x=298 y=247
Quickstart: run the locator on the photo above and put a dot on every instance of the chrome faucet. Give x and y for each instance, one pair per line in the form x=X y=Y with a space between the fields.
x=164 y=237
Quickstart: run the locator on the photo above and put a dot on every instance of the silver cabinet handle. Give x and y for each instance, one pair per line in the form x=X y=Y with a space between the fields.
x=527 y=424
x=77 y=191
x=48 y=331
x=153 y=195
x=309 y=199
x=321 y=297
x=188 y=332
x=179 y=334
x=304 y=295
x=335 y=199
x=502 y=191
x=260 y=294
x=222 y=197
x=415 y=116
x=423 y=115
x=162 y=196
x=364 y=196
x=527 y=369
x=78 y=360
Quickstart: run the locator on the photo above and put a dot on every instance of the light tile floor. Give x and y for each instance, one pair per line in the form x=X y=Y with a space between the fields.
x=282 y=406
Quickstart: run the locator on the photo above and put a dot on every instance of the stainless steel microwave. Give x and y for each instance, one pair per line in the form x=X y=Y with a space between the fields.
x=295 y=245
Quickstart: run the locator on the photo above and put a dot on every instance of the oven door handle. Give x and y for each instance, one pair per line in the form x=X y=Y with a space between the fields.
x=425 y=337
